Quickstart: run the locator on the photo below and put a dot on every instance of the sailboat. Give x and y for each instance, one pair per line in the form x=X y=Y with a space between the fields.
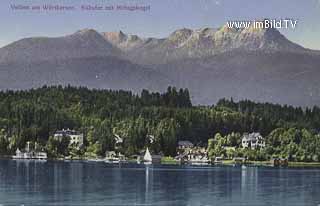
x=149 y=159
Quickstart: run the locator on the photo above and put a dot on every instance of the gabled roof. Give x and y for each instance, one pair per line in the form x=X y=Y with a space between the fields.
x=185 y=143
x=118 y=139
x=151 y=138
x=66 y=132
x=252 y=136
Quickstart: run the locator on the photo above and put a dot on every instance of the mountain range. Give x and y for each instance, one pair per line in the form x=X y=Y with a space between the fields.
x=250 y=63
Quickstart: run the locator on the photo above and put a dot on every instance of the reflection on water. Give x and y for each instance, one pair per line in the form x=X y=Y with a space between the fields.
x=92 y=183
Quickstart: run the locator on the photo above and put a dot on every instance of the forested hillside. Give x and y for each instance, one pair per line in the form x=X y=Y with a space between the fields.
x=35 y=115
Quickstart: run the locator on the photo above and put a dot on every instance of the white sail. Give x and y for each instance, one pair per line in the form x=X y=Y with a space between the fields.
x=147 y=156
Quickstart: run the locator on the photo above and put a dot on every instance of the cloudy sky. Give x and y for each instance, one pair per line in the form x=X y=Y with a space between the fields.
x=164 y=17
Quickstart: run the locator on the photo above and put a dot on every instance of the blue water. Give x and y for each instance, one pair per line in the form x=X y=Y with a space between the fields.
x=94 y=183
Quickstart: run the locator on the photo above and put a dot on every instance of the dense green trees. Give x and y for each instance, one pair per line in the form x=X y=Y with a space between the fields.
x=57 y=147
x=270 y=116
x=292 y=143
x=216 y=146
x=4 y=143
x=296 y=144
x=167 y=132
x=35 y=115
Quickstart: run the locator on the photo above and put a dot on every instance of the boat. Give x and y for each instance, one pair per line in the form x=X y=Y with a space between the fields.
x=113 y=158
x=218 y=160
x=148 y=158
x=199 y=160
x=29 y=154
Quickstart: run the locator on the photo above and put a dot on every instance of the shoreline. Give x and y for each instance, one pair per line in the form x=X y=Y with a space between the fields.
x=172 y=162
x=268 y=164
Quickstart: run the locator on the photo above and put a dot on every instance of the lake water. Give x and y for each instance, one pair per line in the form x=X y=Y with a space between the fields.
x=97 y=183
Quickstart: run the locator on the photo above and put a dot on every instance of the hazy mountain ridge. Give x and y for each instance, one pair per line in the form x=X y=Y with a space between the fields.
x=257 y=64
x=181 y=44
x=94 y=72
x=84 y=43
x=281 y=77
x=186 y=43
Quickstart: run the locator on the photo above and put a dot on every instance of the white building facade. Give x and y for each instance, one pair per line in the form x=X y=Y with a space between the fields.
x=253 y=141
x=76 y=138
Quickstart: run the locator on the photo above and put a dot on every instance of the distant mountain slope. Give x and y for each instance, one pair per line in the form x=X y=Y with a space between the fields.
x=256 y=64
x=279 y=77
x=84 y=43
x=93 y=72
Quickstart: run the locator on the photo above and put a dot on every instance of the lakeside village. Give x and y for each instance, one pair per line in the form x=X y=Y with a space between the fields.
x=120 y=126
x=187 y=152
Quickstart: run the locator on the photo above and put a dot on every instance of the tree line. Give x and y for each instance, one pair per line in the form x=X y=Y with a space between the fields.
x=34 y=115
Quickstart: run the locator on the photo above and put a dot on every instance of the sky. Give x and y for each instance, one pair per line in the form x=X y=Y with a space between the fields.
x=163 y=18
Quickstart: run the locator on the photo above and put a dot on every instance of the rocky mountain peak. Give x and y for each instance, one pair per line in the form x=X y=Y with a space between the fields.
x=133 y=38
x=180 y=35
x=115 y=37
x=259 y=31
x=266 y=38
x=86 y=33
x=226 y=29
x=123 y=41
x=206 y=32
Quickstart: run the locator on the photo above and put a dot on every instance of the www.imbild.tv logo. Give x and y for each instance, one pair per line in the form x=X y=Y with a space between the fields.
x=264 y=24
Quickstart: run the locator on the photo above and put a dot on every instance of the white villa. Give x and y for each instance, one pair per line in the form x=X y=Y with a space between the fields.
x=76 y=138
x=253 y=141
